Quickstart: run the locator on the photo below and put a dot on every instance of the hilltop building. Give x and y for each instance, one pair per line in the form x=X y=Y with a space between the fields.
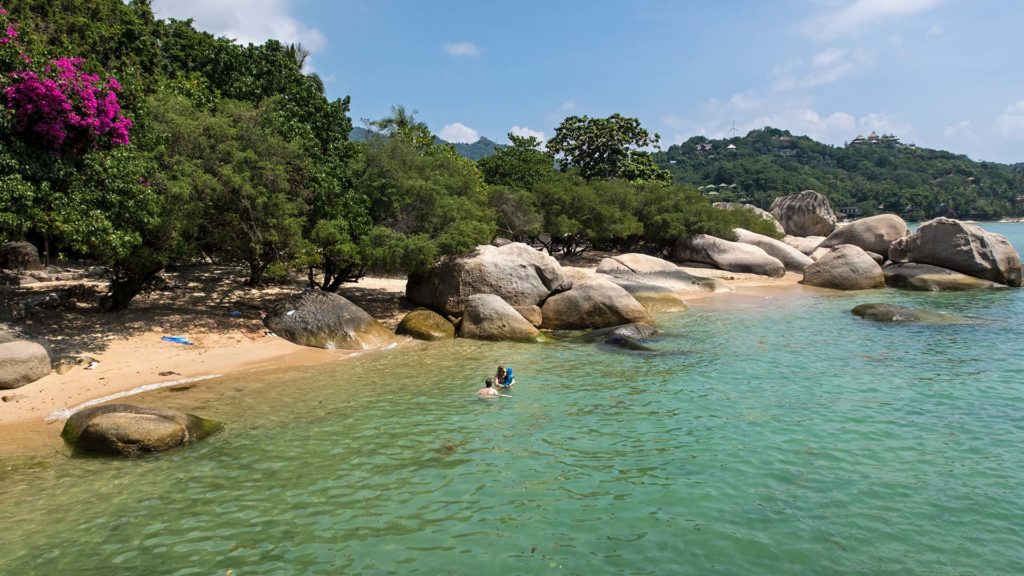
x=874 y=139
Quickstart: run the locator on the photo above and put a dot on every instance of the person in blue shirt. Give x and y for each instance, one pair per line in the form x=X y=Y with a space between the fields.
x=504 y=378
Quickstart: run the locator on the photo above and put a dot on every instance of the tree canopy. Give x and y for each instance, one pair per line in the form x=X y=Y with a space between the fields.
x=607 y=148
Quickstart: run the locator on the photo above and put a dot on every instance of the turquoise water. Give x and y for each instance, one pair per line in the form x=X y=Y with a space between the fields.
x=769 y=435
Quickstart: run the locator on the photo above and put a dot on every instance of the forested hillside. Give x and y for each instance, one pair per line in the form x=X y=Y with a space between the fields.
x=865 y=178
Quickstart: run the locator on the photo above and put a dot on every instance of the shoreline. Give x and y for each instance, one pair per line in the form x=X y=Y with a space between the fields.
x=138 y=361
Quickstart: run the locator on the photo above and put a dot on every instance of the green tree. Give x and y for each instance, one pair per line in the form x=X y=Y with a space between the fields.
x=432 y=198
x=607 y=148
x=521 y=165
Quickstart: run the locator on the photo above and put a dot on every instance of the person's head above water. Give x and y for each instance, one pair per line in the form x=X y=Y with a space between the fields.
x=489 y=382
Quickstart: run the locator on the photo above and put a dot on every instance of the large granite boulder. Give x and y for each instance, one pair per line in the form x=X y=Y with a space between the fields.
x=805 y=214
x=519 y=274
x=595 y=304
x=644 y=269
x=726 y=255
x=19 y=256
x=23 y=360
x=805 y=244
x=962 y=247
x=793 y=259
x=904 y=315
x=912 y=276
x=846 y=267
x=127 y=430
x=873 y=234
x=763 y=214
x=488 y=317
x=326 y=320
x=423 y=324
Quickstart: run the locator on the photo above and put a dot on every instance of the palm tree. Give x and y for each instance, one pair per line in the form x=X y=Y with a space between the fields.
x=298 y=53
x=398 y=122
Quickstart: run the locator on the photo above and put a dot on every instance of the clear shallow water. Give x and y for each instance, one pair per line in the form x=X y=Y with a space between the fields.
x=777 y=435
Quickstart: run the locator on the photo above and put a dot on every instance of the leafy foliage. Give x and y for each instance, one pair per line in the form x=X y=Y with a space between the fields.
x=606 y=148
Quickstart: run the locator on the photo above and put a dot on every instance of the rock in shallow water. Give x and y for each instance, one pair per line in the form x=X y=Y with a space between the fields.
x=594 y=304
x=911 y=276
x=488 y=317
x=427 y=325
x=962 y=247
x=128 y=430
x=904 y=315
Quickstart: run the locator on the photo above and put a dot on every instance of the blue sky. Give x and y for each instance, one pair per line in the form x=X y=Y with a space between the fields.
x=941 y=73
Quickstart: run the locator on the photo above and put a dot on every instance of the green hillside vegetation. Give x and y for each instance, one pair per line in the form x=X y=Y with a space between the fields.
x=864 y=178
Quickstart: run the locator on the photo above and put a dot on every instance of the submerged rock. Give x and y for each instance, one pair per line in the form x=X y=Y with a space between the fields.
x=912 y=276
x=628 y=336
x=128 y=430
x=902 y=314
x=423 y=324
x=326 y=320
x=805 y=214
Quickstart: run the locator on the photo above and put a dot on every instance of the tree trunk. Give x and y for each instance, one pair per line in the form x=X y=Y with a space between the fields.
x=256 y=270
x=124 y=287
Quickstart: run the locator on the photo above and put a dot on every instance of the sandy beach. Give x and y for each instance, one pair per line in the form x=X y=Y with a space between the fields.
x=122 y=353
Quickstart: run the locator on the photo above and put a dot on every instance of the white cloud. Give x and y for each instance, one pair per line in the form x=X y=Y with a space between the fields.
x=244 y=20
x=936 y=30
x=526 y=133
x=466 y=49
x=964 y=128
x=748 y=100
x=859 y=14
x=1010 y=123
x=826 y=67
x=459 y=132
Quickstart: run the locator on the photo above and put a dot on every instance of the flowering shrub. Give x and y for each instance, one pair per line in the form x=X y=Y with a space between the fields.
x=67 y=110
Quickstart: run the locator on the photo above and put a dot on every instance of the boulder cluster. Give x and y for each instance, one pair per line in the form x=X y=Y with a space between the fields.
x=513 y=291
x=941 y=255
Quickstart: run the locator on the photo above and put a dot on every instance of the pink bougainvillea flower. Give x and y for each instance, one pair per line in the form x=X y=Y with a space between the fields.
x=67 y=110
